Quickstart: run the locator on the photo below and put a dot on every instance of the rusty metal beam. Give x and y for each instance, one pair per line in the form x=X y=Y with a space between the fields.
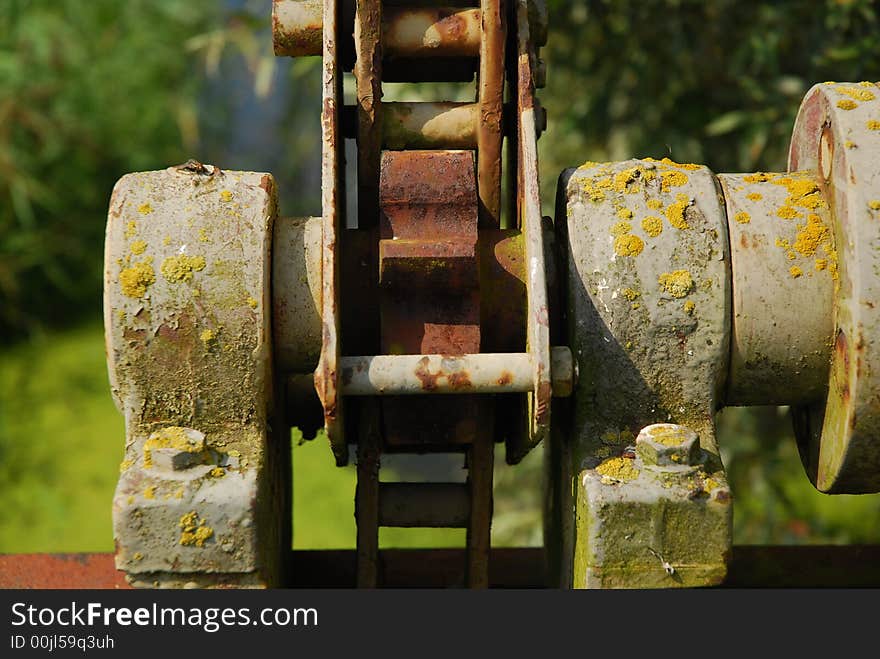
x=491 y=98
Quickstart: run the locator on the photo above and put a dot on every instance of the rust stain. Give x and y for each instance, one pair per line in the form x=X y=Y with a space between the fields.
x=428 y=379
x=505 y=379
x=460 y=380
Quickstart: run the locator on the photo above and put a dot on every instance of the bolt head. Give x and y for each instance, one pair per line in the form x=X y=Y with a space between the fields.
x=668 y=445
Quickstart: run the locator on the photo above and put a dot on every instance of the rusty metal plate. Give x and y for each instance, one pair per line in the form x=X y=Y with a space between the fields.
x=529 y=219
x=837 y=135
x=491 y=97
x=333 y=214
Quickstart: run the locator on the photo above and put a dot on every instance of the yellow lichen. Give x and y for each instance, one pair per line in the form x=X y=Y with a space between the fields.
x=690 y=307
x=623 y=179
x=130 y=228
x=150 y=492
x=181 y=268
x=145 y=209
x=783 y=243
x=203 y=235
x=625 y=214
x=138 y=247
x=873 y=124
x=178 y=493
x=668 y=435
x=252 y=303
x=754 y=196
x=856 y=93
x=866 y=83
x=675 y=212
x=811 y=235
x=226 y=196
x=803 y=192
x=788 y=213
x=135 y=280
x=593 y=192
x=130 y=500
x=742 y=217
x=849 y=144
x=758 y=177
x=821 y=264
x=620 y=228
x=795 y=271
x=677 y=283
x=653 y=226
x=125 y=465
x=138 y=556
x=672 y=179
x=628 y=245
x=208 y=337
x=847 y=104
x=166 y=241
x=194 y=531
x=874 y=204
x=630 y=294
x=617 y=469
x=654 y=204
x=217 y=472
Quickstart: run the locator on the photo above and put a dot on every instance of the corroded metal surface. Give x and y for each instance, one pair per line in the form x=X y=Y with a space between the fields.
x=201 y=496
x=368 y=83
x=431 y=32
x=837 y=135
x=428 y=215
x=528 y=209
x=333 y=221
x=649 y=310
x=430 y=125
x=491 y=98
x=297 y=27
x=784 y=267
x=497 y=373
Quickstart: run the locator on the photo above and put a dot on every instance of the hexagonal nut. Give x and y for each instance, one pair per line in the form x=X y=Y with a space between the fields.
x=175 y=449
x=668 y=445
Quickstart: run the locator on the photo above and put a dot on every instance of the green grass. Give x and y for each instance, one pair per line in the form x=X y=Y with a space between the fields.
x=61 y=441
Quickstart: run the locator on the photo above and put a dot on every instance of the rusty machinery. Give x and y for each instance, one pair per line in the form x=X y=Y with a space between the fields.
x=435 y=320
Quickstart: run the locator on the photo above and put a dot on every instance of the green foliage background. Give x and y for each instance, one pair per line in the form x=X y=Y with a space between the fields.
x=90 y=90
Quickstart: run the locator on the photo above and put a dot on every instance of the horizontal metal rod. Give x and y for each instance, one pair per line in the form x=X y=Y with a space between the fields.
x=486 y=373
x=424 y=505
x=438 y=125
x=399 y=375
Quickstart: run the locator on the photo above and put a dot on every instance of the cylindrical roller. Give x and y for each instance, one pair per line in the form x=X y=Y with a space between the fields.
x=437 y=32
x=784 y=266
x=424 y=505
x=430 y=125
x=296 y=293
